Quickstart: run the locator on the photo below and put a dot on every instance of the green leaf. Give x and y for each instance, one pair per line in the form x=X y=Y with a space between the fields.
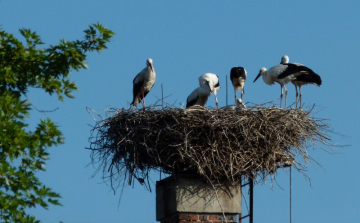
x=23 y=151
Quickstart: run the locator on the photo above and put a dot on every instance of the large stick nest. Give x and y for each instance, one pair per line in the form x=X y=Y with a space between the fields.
x=221 y=145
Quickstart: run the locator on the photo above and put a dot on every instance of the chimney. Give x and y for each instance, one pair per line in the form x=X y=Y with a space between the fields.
x=186 y=198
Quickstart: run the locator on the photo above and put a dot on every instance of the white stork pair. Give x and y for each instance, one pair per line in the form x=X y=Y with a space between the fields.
x=145 y=80
x=286 y=72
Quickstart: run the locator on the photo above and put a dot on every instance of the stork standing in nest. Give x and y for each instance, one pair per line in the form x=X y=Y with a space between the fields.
x=212 y=81
x=309 y=77
x=143 y=82
x=238 y=78
x=199 y=96
x=282 y=74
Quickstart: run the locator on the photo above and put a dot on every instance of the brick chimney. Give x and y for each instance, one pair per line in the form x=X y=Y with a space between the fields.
x=186 y=198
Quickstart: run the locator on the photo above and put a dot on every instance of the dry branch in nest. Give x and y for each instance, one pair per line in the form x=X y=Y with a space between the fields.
x=221 y=145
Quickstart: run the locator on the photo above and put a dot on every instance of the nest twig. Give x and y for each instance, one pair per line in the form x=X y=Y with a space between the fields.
x=220 y=145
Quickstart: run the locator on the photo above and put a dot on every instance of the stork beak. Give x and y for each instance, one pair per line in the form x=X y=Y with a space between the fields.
x=151 y=66
x=257 y=77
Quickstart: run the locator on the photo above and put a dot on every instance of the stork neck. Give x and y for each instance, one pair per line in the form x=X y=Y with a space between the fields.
x=267 y=79
x=151 y=70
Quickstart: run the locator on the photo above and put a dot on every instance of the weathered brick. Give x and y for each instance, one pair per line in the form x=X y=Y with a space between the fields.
x=193 y=217
x=203 y=217
x=213 y=217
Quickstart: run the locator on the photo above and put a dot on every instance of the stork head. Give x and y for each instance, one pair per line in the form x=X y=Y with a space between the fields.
x=149 y=63
x=284 y=59
x=261 y=72
x=206 y=83
x=217 y=85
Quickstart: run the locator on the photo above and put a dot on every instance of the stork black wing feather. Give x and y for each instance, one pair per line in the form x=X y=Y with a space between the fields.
x=237 y=72
x=293 y=69
x=309 y=78
x=192 y=102
x=136 y=89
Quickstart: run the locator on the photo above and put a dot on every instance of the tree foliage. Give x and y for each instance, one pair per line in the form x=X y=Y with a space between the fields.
x=23 y=152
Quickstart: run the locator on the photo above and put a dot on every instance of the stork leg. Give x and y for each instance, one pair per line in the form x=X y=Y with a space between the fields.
x=300 y=97
x=242 y=93
x=296 y=96
x=281 y=96
x=143 y=100
x=235 y=95
x=216 y=101
x=286 y=92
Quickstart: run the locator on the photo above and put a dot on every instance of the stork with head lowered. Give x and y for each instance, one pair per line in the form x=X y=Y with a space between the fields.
x=210 y=80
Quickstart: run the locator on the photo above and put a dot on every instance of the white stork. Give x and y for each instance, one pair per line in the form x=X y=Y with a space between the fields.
x=282 y=74
x=309 y=77
x=210 y=80
x=143 y=82
x=238 y=78
x=198 y=97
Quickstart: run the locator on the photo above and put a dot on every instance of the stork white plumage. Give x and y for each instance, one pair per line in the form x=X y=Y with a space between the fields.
x=238 y=78
x=309 y=77
x=143 y=82
x=282 y=74
x=210 y=80
x=198 y=97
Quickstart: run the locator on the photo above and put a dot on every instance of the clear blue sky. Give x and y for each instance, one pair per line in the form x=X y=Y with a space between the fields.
x=186 y=39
